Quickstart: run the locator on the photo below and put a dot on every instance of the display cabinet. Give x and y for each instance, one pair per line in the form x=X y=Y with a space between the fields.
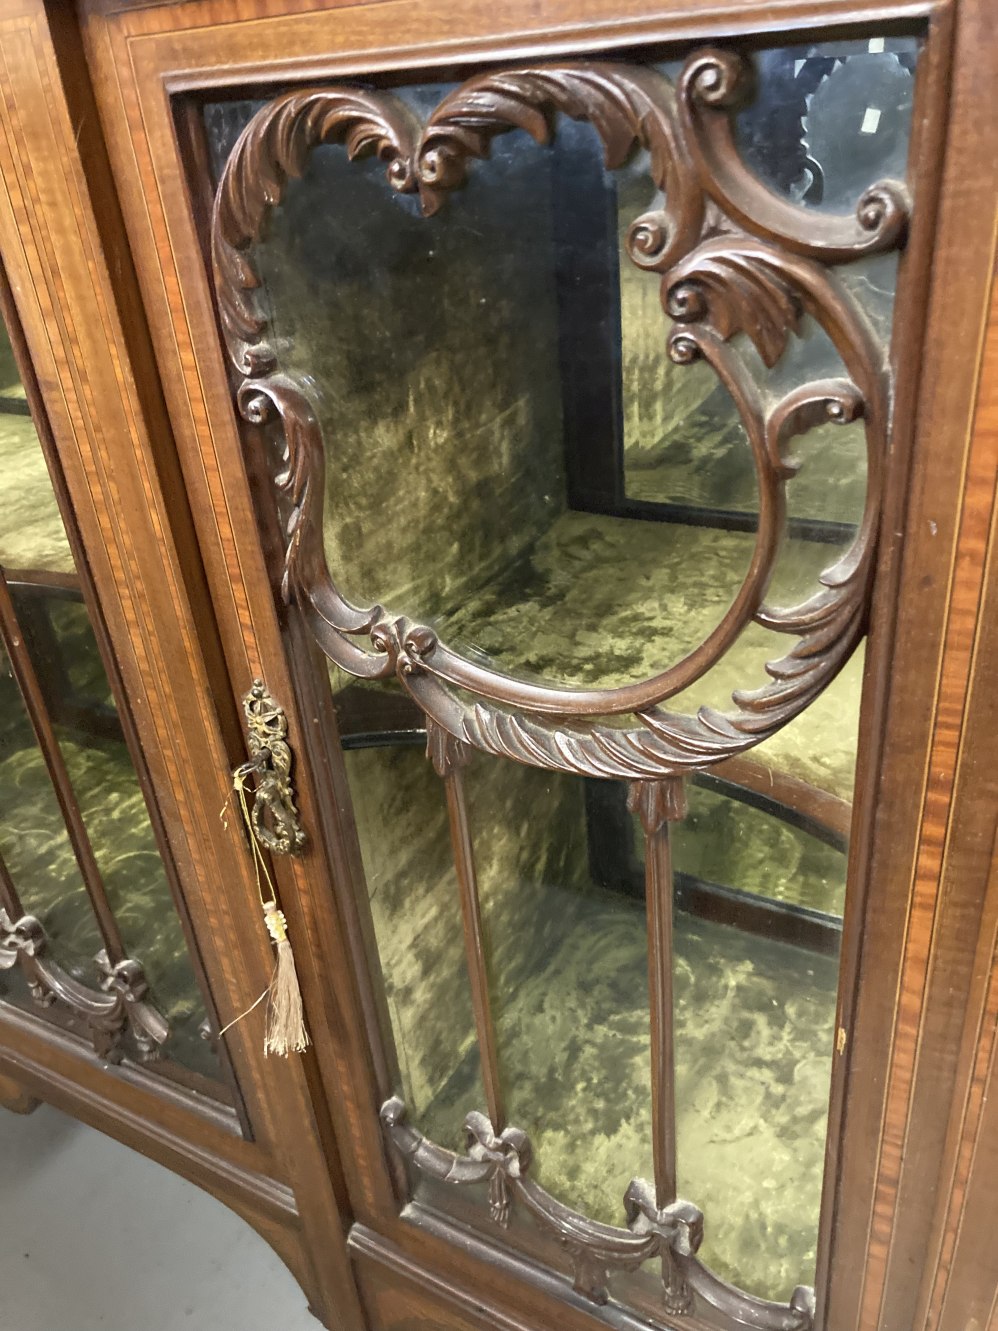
x=561 y=449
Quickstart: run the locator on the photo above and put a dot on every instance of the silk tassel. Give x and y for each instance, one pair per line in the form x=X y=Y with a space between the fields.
x=286 y=1033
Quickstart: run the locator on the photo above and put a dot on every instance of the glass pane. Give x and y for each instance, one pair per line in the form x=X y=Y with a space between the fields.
x=62 y=652
x=754 y=1039
x=437 y=347
x=511 y=455
x=569 y=966
x=732 y=836
x=34 y=844
x=758 y=930
x=416 y=912
x=561 y=879
x=32 y=535
x=830 y=119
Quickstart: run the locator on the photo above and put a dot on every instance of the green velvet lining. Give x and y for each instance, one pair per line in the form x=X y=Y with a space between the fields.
x=568 y=966
x=32 y=535
x=33 y=839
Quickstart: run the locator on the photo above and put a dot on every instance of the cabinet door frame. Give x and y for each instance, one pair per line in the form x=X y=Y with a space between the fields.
x=896 y=1059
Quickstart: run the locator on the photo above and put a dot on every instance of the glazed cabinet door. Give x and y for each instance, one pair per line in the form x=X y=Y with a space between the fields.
x=546 y=392
x=96 y=947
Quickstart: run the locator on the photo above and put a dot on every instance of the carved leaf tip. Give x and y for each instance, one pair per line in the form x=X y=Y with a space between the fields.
x=658 y=801
x=447 y=753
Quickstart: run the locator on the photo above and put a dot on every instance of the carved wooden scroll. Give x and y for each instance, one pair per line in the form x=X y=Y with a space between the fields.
x=732 y=258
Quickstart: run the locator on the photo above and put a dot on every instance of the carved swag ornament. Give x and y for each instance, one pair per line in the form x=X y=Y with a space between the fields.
x=733 y=258
x=120 y=1005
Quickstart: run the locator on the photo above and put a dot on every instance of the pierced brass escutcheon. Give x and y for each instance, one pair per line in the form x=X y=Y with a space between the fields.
x=273 y=813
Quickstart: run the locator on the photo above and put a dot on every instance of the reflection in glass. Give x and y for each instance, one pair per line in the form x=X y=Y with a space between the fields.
x=61 y=651
x=830 y=119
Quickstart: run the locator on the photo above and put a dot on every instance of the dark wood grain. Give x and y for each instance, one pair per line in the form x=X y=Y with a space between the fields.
x=449 y=758
x=658 y=804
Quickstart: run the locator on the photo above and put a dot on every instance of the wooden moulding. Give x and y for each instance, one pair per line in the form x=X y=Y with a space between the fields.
x=658 y=804
x=449 y=757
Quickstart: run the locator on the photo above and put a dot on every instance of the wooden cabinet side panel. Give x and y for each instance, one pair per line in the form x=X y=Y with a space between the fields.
x=937 y=886
x=960 y=1284
x=70 y=271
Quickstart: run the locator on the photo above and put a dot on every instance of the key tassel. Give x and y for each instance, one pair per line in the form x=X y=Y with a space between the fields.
x=286 y=1033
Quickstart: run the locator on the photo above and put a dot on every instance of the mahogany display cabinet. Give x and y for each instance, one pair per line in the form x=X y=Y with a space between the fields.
x=548 y=455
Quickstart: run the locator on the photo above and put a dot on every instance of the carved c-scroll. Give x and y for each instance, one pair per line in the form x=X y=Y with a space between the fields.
x=759 y=281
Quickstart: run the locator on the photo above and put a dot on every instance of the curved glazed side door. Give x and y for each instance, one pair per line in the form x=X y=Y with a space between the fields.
x=120 y=892
x=547 y=406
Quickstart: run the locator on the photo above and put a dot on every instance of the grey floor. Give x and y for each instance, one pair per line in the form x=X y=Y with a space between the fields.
x=94 y=1237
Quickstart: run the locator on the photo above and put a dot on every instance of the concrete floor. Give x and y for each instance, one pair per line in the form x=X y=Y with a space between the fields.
x=94 y=1237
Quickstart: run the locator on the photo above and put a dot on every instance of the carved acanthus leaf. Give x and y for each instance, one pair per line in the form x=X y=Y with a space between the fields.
x=274 y=148
x=735 y=292
x=446 y=753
